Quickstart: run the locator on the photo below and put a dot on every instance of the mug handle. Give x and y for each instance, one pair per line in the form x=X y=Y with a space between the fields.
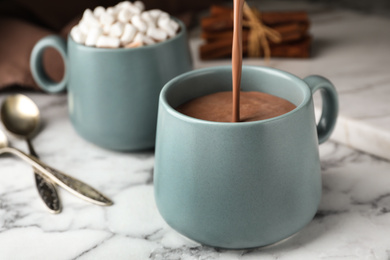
x=330 y=105
x=36 y=63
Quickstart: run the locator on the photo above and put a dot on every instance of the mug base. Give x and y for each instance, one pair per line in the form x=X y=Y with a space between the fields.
x=259 y=247
x=261 y=243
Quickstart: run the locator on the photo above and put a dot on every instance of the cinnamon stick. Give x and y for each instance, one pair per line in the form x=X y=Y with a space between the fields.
x=288 y=33
x=222 y=49
x=216 y=23
x=267 y=17
x=221 y=19
x=219 y=9
x=275 y=18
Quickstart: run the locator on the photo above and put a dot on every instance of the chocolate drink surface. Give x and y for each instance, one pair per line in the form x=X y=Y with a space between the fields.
x=254 y=106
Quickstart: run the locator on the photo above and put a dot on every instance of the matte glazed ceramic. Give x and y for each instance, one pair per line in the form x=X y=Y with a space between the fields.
x=241 y=185
x=113 y=93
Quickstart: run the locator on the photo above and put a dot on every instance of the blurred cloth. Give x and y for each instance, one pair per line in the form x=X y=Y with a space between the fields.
x=24 y=22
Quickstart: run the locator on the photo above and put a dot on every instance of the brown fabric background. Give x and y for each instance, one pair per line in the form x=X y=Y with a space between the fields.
x=24 y=22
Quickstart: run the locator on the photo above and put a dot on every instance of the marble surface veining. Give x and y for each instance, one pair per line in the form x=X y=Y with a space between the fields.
x=353 y=51
x=353 y=220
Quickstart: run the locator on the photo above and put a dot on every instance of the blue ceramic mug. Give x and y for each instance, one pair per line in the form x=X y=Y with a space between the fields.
x=113 y=93
x=241 y=185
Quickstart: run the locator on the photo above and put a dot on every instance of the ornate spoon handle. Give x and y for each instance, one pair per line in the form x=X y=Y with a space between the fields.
x=46 y=188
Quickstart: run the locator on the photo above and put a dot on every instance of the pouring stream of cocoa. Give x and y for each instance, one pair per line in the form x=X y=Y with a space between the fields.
x=237 y=57
x=225 y=106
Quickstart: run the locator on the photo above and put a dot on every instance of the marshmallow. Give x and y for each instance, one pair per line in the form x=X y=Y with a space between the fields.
x=139 y=37
x=124 y=15
x=98 y=11
x=164 y=15
x=139 y=5
x=112 y=11
x=175 y=26
x=134 y=9
x=83 y=26
x=122 y=4
x=150 y=21
x=87 y=13
x=164 y=24
x=134 y=45
x=90 y=19
x=107 y=42
x=77 y=35
x=128 y=34
x=156 y=33
x=138 y=23
x=93 y=36
x=147 y=40
x=116 y=30
x=155 y=13
x=106 y=18
x=169 y=31
x=106 y=28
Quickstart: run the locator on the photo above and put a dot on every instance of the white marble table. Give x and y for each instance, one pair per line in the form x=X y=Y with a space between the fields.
x=353 y=220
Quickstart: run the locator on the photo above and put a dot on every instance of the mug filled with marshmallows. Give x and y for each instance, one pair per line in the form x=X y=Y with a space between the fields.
x=116 y=59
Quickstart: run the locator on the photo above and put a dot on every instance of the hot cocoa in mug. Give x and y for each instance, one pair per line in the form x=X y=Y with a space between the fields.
x=218 y=106
x=243 y=184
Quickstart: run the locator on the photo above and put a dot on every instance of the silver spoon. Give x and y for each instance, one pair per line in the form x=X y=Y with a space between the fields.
x=71 y=184
x=21 y=117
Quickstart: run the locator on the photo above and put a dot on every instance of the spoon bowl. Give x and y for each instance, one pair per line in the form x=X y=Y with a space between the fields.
x=20 y=116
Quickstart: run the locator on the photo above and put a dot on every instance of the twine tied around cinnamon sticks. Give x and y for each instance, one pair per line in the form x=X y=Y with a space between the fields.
x=259 y=34
x=293 y=27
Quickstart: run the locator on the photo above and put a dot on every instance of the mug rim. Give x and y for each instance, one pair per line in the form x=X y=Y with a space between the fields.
x=146 y=47
x=297 y=82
